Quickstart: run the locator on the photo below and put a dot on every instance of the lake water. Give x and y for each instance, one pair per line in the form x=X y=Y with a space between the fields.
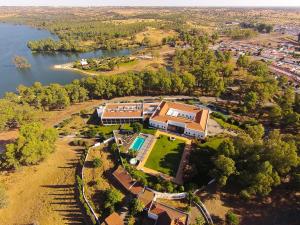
x=13 y=41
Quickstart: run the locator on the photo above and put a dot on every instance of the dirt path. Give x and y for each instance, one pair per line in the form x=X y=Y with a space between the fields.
x=44 y=193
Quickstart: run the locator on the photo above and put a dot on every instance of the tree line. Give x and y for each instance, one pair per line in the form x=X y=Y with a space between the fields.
x=252 y=161
x=99 y=35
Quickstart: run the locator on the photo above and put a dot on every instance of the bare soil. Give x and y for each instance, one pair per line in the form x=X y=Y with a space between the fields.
x=282 y=207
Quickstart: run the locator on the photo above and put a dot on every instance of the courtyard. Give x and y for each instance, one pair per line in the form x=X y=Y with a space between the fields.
x=165 y=155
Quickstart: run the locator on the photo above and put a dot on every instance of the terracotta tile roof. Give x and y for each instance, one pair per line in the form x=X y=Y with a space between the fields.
x=113 y=110
x=167 y=215
x=199 y=122
x=146 y=197
x=132 y=114
x=126 y=181
x=113 y=219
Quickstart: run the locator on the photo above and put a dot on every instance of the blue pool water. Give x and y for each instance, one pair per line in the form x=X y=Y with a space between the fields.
x=137 y=143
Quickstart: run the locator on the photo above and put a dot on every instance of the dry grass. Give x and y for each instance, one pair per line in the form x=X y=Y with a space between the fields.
x=44 y=193
x=155 y=35
x=73 y=126
x=95 y=181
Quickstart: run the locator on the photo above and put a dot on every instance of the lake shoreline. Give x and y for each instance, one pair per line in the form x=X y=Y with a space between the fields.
x=69 y=66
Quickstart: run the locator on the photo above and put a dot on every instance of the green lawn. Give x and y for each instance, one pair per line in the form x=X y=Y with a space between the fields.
x=108 y=130
x=213 y=142
x=165 y=155
x=148 y=131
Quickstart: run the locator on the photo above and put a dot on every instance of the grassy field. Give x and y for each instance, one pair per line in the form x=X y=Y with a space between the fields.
x=44 y=194
x=213 y=142
x=165 y=155
x=155 y=36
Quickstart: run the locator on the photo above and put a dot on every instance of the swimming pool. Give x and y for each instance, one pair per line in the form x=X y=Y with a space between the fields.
x=137 y=143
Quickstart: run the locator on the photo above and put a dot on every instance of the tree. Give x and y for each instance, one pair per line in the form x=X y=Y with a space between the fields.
x=189 y=82
x=113 y=198
x=76 y=93
x=232 y=218
x=275 y=114
x=251 y=100
x=137 y=127
x=200 y=221
x=243 y=61
x=224 y=168
x=97 y=162
x=136 y=207
x=262 y=182
x=258 y=68
x=34 y=144
x=101 y=136
x=3 y=197
x=227 y=148
x=256 y=132
x=297 y=103
x=281 y=154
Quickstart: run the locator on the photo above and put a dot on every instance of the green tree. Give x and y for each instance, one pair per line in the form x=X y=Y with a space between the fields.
x=224 y=168
x=137 y=127
x=275 y=114
x=264 y=180
x=232 y=218
x=256 y=132
x=97 y=162
x=250 y=101
x=76 y=93
x=243 y=61
x=113 y=198
x=281 y=154
x=34 y=144
x=136 y=207
x=258 y=68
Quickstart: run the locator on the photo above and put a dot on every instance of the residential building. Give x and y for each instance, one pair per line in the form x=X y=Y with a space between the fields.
x=165 y=215
x=181 y=118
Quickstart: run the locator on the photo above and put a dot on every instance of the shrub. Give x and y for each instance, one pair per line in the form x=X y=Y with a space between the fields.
x=232 y=218
x=245 y=195
x=136 y=207
x=97 y=163
x=137 y=127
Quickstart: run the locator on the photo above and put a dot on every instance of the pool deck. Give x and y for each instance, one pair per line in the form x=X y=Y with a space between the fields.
x=143 y=151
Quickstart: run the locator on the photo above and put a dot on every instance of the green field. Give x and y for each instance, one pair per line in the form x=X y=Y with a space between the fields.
x=165 y=155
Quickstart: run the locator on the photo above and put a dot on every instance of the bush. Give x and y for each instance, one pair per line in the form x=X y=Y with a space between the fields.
x=137 y=127
x=97 y=163
x=245 y=195
x=232 y=218
x=136 y=207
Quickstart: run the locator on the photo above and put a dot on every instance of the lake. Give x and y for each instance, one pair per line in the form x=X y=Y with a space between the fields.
x=13 y=41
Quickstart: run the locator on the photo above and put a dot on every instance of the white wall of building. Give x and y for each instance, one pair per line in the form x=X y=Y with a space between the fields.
x=158 y=124
x=194 y=133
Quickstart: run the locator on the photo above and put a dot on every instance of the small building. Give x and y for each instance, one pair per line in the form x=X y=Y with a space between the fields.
x=165 y=215
x=83 y=62
x=181 y=118
x=113 y=219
